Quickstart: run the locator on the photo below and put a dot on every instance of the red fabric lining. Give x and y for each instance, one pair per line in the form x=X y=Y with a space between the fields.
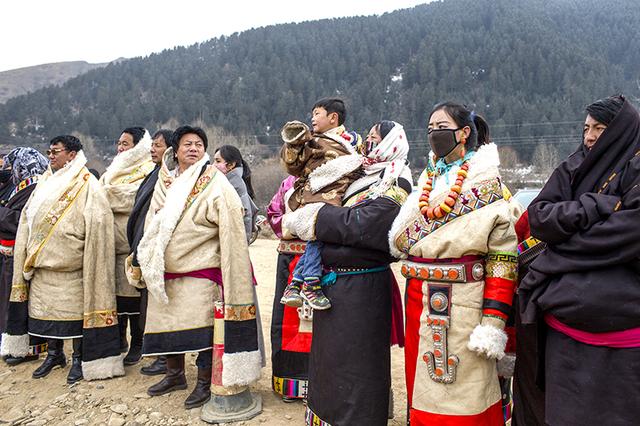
x=499 y=289
x=8 y=243
x=292 y=339
x=492 y=416
x=414 y=311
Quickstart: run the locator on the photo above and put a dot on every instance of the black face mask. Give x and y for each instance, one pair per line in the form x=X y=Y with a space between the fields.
x=443 y=141
x=5 y=175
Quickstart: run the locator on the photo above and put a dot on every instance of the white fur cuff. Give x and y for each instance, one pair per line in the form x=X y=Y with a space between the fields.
x=295 y=133
x=16 y=346
x=302 y=222
x=488 y=340
x=241 y=369
x=103 y=368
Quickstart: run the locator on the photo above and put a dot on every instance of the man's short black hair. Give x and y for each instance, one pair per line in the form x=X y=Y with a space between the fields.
x=165 y=133
x=136 y=132
x=332 y=105
x=184 y=130
x=70 y=143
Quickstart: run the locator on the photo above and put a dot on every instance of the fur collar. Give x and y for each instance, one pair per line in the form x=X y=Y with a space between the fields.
x=128 y=159
x=51 y=185
x=156 y=238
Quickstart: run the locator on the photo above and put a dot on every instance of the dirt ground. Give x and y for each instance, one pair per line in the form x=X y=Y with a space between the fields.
x=123 y=400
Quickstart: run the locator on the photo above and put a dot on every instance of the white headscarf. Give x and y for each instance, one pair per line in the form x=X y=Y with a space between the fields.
x=389 y=155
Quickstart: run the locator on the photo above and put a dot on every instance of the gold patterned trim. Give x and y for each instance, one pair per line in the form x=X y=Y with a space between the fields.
x=395 y=194
x=52 y=218
x=19 y=293
x=98 y=319
x=481 y=195
x=137 y=174
x=502 y=265
x=201 y=184
x=292 y=247
x=239 y=312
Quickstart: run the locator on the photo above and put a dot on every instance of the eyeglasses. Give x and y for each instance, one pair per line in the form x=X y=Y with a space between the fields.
x=55 y=151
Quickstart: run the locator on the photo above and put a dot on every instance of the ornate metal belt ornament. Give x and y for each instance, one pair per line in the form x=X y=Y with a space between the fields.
x=441 y=365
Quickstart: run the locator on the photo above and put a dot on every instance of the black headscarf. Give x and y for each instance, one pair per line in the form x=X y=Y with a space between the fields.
x=615 y=147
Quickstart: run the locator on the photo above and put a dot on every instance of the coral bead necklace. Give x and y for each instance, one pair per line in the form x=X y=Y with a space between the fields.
x=446 y=206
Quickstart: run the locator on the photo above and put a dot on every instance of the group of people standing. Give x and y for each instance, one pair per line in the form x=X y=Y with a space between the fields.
x=160 y=244
x=554 y=287
x=147 y=247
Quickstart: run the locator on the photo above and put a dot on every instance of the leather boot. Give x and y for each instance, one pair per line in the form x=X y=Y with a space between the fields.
x=75 y=373
x=122 y=326
x=55 y=358
x=159 y=366
x=202 y=392
x=12 y=360
x=135 y=349
x=173 y=380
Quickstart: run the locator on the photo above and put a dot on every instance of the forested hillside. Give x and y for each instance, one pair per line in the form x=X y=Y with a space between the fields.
x=530 y=66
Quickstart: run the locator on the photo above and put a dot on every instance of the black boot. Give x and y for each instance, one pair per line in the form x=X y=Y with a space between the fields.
x=12 y=360
x=202 y=392
x=135 y=349
x=159 y=366
x=173 y=380
x=75 y=373
x=55 y=358
x=122 y=326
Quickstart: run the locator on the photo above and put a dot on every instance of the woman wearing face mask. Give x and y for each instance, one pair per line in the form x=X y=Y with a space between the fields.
x=228 y=160
x=457 y=236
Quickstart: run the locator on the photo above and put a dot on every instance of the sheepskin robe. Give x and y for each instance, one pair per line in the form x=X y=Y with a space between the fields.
x=63 y=285
x=325 y=163
x=482 y=225
x=194 y=261
x=121 y=182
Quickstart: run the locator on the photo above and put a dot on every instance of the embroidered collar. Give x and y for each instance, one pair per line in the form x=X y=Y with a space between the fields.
x=24 y=184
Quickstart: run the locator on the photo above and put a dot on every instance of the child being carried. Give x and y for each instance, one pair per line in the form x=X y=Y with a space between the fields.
x=326 y=163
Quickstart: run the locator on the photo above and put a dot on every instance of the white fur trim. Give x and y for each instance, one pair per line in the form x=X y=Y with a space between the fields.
x=408 y=211
x=16 y=346
x=51 y=185
x=241 y=369
x=293 y=132
x=137 y=154
x=488 y=340
x=302 y=222
x=507 y=365
x=103 y=368
x=28 y=275
x=156 y=238
x=333 y=170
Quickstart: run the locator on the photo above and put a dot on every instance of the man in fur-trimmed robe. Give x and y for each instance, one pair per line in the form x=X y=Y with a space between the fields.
x=63 y=286
x=121 y=181
x=194 y=261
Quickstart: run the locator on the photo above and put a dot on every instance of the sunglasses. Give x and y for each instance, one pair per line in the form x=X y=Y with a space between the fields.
x=55 y=151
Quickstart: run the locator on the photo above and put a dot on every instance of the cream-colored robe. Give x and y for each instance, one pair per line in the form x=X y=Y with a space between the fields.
x=121 y=182
x=485 y=230
x=201 y=226
x=64 y=262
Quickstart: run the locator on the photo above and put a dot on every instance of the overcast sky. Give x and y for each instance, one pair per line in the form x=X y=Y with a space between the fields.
x=36 y=32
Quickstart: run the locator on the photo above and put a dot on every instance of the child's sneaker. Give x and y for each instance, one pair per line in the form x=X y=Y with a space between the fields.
x=312 y=293
x=291 y=296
